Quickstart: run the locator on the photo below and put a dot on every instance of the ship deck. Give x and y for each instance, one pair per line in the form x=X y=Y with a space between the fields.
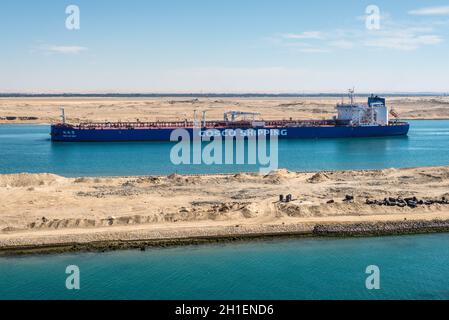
x=208 y=125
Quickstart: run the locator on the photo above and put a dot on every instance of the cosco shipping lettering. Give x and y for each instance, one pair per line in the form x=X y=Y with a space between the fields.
x=353 y=120
x=242 y=132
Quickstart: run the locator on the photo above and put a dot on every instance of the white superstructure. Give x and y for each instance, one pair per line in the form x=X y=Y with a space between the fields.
x=375 y=113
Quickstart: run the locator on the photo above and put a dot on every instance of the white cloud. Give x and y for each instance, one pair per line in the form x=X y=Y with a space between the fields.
x=405 y=36
x=407 y=43
x=68 y=50
x=304 y=35
x=430 y=11
x=342 y=44
x=304 y=47
x=313 y=50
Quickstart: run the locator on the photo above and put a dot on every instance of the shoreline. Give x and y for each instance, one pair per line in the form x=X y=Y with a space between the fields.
x=325 y=231
x=45 y=213
x=225 y=174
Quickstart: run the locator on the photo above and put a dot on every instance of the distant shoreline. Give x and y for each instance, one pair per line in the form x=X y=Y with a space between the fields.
x=212 y=95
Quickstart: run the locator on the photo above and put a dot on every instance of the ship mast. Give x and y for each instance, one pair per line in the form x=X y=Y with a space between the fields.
x=62 y=115
x=351 y=95
x=195 y=119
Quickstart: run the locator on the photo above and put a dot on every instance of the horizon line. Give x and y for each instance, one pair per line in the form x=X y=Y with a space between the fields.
x=217 y=94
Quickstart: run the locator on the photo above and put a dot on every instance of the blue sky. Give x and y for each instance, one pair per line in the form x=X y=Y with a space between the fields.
x=224 y=46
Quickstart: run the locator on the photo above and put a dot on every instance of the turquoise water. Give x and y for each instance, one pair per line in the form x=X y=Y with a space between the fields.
x=411 y=267
x=27 y=148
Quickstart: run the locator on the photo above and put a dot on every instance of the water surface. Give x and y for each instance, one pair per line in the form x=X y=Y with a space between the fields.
x=411 y=267
x=27 y=148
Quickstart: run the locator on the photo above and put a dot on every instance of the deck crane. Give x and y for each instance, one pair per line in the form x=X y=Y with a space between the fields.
x=235 y=114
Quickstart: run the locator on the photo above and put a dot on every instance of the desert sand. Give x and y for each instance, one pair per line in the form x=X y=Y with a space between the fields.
x=47 y=110
x=46 y=209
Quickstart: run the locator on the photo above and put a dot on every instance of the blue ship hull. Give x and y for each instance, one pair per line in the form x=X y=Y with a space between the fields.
x=67 y=133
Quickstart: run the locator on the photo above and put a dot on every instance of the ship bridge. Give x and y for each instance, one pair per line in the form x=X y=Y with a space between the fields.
x=375 y=113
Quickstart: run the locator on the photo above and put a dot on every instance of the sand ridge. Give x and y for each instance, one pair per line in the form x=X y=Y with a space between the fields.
x=50 y=203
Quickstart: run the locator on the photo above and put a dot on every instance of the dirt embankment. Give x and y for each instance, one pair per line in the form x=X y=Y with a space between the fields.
x=49 y=209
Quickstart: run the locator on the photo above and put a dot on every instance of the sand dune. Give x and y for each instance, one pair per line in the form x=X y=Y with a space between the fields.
x=46 y=110
x=34 y=203
x=29 y=180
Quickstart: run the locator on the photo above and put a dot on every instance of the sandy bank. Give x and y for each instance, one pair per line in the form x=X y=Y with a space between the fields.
x=45 y=209
x=47 y=110
x=147 y=237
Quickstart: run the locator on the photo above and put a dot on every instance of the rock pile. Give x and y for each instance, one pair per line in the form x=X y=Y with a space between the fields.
x=381 y=228
x=287 y=198
x=411 y=202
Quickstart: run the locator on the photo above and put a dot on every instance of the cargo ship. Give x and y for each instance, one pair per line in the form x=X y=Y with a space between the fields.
x=353 y=120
